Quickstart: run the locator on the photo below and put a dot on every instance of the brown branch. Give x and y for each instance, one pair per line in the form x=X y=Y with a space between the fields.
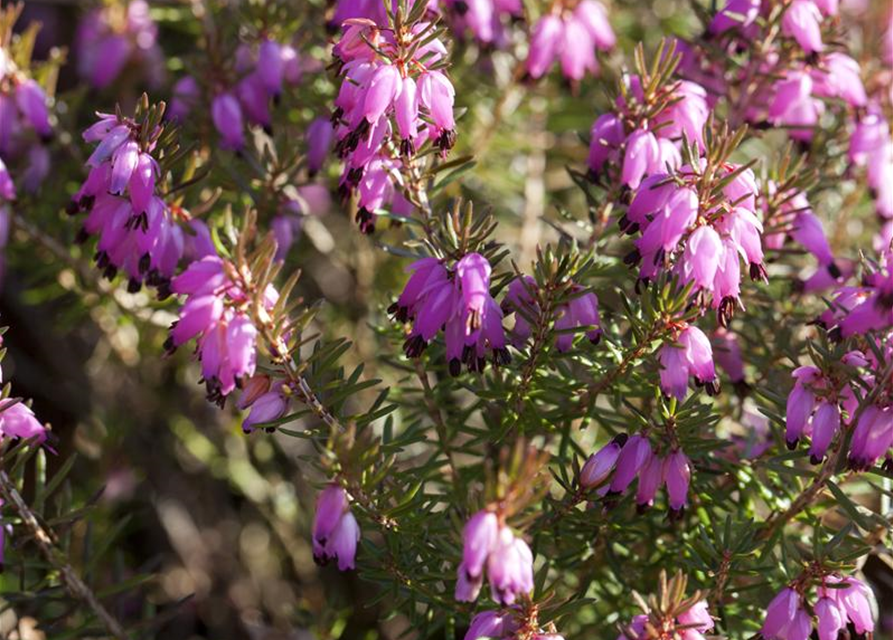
x=76 y=587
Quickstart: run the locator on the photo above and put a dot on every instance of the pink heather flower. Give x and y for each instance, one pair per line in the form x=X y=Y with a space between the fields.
x=651 y=478
x=702 y=256
x=509 y=568
x=135 y=227
x=17 y=420
x=825 y=425
x=580 y=311
x=600 y=464
x=872 y=438
x=184 y=97
x=634 y=455
x=698 y=616
x=830 y=618
x=319 y=137
x=570 y=38
x=793 y=104
x=226 y=112
x=839 y=77
x=855 y=600
x=605 y=138
x=335 y=529
x=492 y=624
x=780 y=615
x=692 y=356
x=106 y=45
x=520 y=300
x=802 y=21
x=800 y=405
x=677 y=475
x=642 y=157
x=735 y=14
x=635 y=629
x=31 y=101
x=266 y=408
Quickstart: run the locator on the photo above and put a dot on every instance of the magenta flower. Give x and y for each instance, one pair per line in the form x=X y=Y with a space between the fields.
x=825 y=425
x=600 y=464
x=727 y=354
x=580 y=311
x=226 y=112
x=32 y=103
x=492 y=624
x=872 y=438
x=735 y=14
x=839 y=77
x=520 y=300
x=677 y=475
x=800 y=405
x=266 y=408
x=184 y=98
x=17 y=420
x=802 y=21
x=651 y=478
x=335 y=529
x=634 y=455
x=780 y=615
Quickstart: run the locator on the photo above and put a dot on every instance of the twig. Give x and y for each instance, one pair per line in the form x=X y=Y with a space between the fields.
x=69 y=576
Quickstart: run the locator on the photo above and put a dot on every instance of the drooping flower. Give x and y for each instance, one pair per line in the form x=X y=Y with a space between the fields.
x=569 y=33
x=600 y=464
x=136 y=230
x=335 y=529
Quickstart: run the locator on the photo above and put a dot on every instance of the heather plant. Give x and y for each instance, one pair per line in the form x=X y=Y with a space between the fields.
x=464 y=319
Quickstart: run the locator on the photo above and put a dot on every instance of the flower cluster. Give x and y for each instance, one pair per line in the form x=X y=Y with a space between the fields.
x=700 y=238
x=819 y=405
x=581 y=310
x=24 y=123
x=691 y=624
x=459 y=302
x=217 y=312
x=262 y=71
x=643 y=136
x=394 y=99
x=689 y=354
x=814 y=408
x=490 y=547
x=136 y=228
x=570 y=32
x=335 y=529
x=631 y=457
x=867 y=307
x=111 y=37
x=842 y=606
